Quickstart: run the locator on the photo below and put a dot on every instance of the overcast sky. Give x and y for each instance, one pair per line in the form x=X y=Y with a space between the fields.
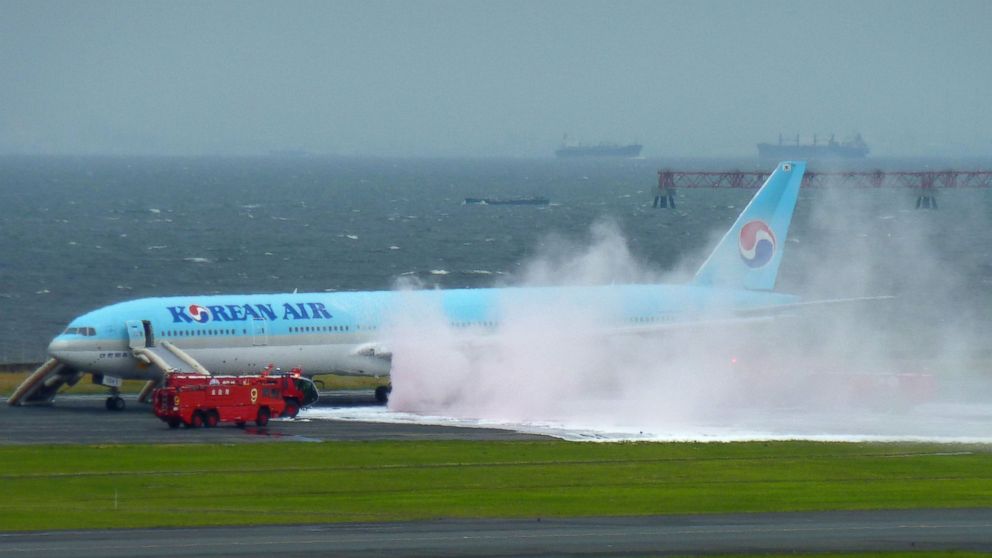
x=492 y=78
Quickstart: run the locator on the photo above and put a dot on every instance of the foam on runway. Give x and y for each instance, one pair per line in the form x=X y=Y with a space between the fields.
x=932 y=422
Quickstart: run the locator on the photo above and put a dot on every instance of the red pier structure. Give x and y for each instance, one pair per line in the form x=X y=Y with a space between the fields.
x=923 y=181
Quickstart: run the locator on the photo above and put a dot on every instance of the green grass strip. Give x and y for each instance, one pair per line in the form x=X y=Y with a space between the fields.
x=46 y=487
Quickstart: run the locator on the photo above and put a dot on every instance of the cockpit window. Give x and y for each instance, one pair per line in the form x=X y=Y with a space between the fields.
x=87 y=331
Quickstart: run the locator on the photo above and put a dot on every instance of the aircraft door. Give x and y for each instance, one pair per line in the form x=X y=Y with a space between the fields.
x=259 y=332
x=135 y=334
x=149 y=333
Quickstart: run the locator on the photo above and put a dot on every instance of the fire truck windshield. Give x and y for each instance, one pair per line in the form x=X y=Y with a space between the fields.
x=308 y=389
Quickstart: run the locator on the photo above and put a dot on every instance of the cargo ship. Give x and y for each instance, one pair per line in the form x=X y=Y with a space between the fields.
x=598 y=150
x=855 y=148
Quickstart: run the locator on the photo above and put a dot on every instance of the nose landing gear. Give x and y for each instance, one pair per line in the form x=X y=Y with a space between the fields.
x=115 y=402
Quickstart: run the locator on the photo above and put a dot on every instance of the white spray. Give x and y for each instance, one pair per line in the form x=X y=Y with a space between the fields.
x=845 y=373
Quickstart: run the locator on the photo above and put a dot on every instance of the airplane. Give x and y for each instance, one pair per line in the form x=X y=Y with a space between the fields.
x=344 y=332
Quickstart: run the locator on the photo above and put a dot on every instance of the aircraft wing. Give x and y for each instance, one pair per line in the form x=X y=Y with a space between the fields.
x=811 y=304
x=484 y=341
x=662 y=327
x=740 y=318
x=764 y=314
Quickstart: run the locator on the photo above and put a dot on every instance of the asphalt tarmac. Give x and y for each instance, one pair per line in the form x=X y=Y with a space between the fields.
x=83 y=419
x=912 y=530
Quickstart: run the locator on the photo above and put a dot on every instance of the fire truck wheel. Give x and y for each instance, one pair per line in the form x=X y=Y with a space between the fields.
x=292 y=408
x=211 y=419
x=174 y=423
x=196 y=420
x=263 y=416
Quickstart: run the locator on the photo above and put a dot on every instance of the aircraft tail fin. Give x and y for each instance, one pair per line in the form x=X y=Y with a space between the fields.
x=748 y=256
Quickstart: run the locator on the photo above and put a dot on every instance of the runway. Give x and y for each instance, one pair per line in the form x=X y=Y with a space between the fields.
x=82 y=419
x=887 y=530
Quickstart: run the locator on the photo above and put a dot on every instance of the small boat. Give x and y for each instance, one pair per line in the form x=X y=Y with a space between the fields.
x=533 y=200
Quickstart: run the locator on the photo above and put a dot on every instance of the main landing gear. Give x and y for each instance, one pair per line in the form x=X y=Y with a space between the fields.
x=382 y=393
x=115 y=402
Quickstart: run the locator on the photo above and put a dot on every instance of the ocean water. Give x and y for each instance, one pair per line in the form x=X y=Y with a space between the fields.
x=80 y=233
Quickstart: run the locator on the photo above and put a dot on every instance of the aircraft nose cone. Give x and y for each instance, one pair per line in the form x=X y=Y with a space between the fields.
x=58 y=347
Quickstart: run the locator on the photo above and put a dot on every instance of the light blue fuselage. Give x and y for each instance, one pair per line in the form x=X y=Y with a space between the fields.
x=345 y=332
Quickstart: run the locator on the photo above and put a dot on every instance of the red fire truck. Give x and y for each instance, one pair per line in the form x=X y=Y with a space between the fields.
x=197 y=400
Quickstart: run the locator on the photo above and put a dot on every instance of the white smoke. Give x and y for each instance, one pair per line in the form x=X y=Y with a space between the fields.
x=851 y=371
x=603 y=258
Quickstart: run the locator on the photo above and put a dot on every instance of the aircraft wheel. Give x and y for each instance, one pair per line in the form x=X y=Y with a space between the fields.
x=196 y=420
x=292 y=408
x=211 y=419
x=115 y=403
x=382 y=393
x=263 y=416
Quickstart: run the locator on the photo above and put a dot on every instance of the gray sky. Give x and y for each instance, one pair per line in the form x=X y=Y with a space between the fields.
x=506 y=78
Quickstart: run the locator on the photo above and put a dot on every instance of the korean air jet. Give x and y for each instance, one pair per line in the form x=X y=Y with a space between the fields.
x=345 y=333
